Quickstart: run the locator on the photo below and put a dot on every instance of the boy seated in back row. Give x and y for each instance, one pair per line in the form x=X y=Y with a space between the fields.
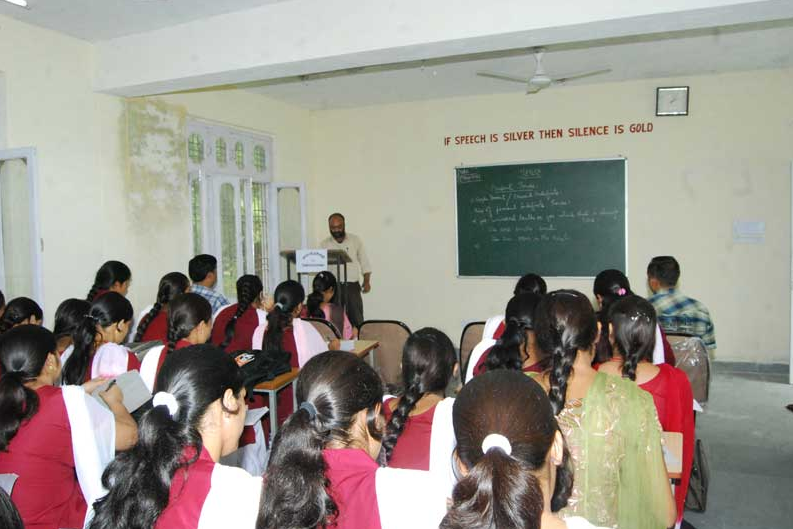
x=203 y=270
x=677 y=313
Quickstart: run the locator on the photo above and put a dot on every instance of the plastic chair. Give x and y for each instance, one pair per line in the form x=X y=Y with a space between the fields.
x=325 y=328
x=471 y=335
x=392 y=335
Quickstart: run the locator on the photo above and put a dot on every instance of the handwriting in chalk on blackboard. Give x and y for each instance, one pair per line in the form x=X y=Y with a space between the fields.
x=555 y=202
x=466 y=176
x=549 y=227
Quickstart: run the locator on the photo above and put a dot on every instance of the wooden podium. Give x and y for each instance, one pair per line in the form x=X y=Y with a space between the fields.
x=337 y=258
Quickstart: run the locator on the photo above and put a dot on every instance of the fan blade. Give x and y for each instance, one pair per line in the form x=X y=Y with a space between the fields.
x=503 y=77
x=533 y=89
x=580 y=75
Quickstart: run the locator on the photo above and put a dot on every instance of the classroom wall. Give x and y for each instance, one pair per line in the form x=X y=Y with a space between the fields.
x=386 y=167
x=95 y=196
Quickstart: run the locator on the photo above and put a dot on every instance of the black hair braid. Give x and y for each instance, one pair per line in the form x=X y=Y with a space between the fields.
x=562 y=359
x=395 y=427
x=93 y=292
x=76 y=367
x=505 y=354
x=18 y=403
x=313 y=303
x=172 y=338
x=246 y=294
x=629 y=367
x=147 y=319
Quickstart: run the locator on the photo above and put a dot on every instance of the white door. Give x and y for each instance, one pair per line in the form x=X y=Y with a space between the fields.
x=287 y=226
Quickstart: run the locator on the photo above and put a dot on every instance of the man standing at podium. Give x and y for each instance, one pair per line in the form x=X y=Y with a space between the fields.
x=351 y=290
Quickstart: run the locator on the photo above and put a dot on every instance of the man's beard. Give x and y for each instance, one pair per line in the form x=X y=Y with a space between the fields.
x=338 y=235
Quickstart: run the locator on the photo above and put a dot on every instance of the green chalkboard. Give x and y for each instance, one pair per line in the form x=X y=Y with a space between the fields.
x=553 y=218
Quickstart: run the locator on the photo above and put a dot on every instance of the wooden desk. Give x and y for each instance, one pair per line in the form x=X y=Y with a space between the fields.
x=673 y=454
x=365 y=347
x=272 y=387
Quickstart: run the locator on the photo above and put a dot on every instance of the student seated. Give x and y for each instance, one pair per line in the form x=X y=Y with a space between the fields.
x=284 y=331
x=153 y=325
x=319 y=305
x=419 y=430
x=96 y=342
x=21 y=311
x=611 y=285
x=171 y=478
x=68 y=317
x=515 y=468
x=322 y=470
x=632 y=332
x=189 y=323
x=113 y=276
x=527 y=284
x=609 y=423
x=203 y=270
x=516 y=348
x=677 y=313
x=56 y=439
x=233 y=327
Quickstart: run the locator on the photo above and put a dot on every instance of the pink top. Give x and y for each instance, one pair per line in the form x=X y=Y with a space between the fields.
x=189 y=489
x=346 y=332
x=412 y=449
x=351 y=473
x=47 y=493
x=132 y=364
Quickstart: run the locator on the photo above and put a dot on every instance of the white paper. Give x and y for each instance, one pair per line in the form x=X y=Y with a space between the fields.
x=311 y=261
x=7 y=482
x=748 y=231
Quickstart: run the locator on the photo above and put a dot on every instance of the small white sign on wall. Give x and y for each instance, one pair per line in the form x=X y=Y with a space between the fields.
x=311 y=261
x=748 y=231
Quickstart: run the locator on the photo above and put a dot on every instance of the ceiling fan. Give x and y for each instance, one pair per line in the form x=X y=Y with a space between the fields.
x=540 y=79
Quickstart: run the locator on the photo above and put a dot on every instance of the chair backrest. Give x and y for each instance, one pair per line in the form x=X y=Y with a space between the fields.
x=392 y=335
x=139 y=349
x=691 y=356
x=325 y=328
x=472 y=335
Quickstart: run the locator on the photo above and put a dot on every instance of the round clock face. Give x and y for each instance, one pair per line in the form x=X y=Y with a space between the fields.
x=672 y=101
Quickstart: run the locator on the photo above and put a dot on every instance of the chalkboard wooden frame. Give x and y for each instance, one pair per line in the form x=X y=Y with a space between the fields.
x=624 y=266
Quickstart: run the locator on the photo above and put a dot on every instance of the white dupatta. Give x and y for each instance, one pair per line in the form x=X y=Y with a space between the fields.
x=476 y=354
x=307 y=339
x=148 y=367
x=93 y=432
x=442 y=445
x=491 y=326
x=233 y=499
x=409 y=499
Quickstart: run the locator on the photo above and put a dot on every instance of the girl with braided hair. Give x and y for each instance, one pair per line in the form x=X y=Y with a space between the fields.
x=610 y=286
x=233 y=327
x=632 y=335
x=610 y=424
x=418 y=434
x=516 y=348
x=319 y=304
x=189 y=323
x=285 y=331
x=516 y=470
x=323 y=470
x=153 y=324
x=97 y=350
x=113 y=276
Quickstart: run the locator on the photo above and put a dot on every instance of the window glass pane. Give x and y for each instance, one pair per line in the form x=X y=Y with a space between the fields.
x=239 y=155
x=220 y=152
x=195 y=148
x=243 y=229
x=259 y=158
x=289 y=221
x=17 y=232
x=259 y=219
x=195 y=203
x=228 y=237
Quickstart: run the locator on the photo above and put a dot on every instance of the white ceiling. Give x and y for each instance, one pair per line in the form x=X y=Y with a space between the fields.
x=750 y=47
x=95 y=20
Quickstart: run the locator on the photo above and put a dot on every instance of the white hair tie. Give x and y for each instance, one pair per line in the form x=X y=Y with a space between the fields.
x=496 y=440
x=163 y=398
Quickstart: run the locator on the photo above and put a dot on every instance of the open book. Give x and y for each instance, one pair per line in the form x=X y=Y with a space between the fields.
x=136 y=394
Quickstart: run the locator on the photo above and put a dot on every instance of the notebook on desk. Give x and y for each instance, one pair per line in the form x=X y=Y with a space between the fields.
x=136 y=394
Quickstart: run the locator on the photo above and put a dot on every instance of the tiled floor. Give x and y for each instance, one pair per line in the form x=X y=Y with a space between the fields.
x=748 y=434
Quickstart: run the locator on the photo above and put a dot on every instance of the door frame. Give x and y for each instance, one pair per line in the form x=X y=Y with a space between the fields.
x=37 y=248
x=276 y=274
